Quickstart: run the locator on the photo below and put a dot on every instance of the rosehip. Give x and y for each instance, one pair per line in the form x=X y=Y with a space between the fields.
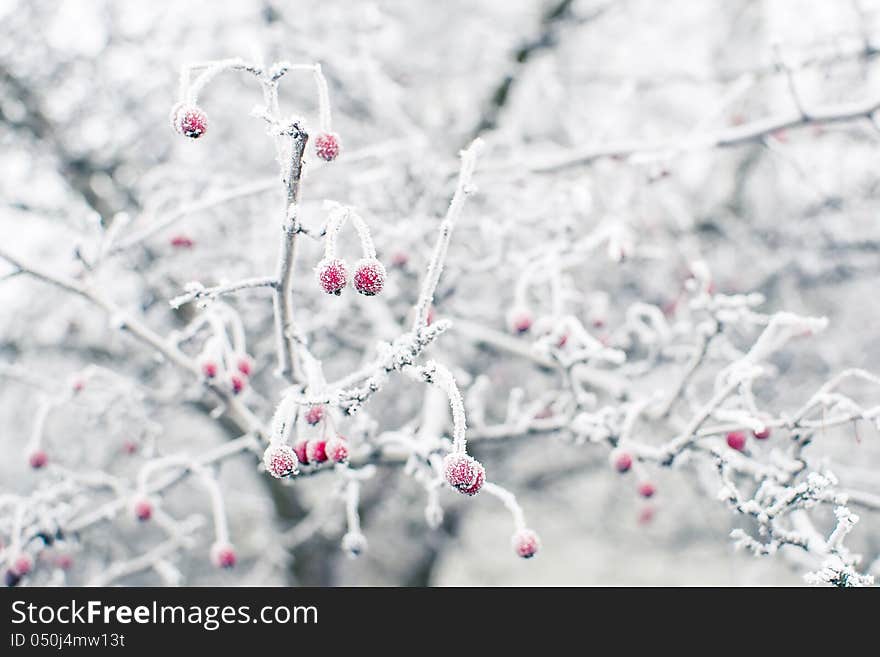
x=189 y=120
x=143 y=509
x=622 y=461
x=38 y=459
x=300 y=448
x=646 y=489
x=316 y=451
x=464 y=473
x=315 y=414
x=327 y=146
x=23 y=564
x=736 y=440
x=336 y=449
x=209 y=369
x=763 y=434
x=223 y=555
x=332 y=275
x=526 y=543
x=369 y=277
x=280 y=460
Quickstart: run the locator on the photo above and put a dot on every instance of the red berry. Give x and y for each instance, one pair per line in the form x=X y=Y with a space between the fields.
x=209 y=369
x=223 y=555
x=646 y=489
x=23 y=564
x=78 y=385
x=562 y=340
x=315 y=414
x=369 y=277
x=64 y=561
x=526 y=543
x=519 y=320
x=336 y=449
x=244 y=365
x=763 y=434
x=182 y=242
x=237 y=382
x=622 y=461
x=316 y=451
x=143 y=509
x=464 y=473
x=280 y=460
x=189 y=120
x=38 y=459
x=736 y=440
x=129 y=447
x=300 y=448
x=332 y=275
x=327 y=146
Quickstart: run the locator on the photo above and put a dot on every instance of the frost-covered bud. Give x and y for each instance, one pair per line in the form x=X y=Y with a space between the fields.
x=369 y=277
x=763 y=434
x=316 y=451
x=647 y=489
x=519 y=320
x=332 y=275
x=526 y=543
x=280 y=460
x=327 y=146
x=22 y=564
x=237 y=382
x=223 y=555
x=209 y=369
x=38 y=459
x=315 y=414
x=142 y=509
x=336 y=449
x=464 y=473
x=354 y=544
x=189 y=120
x=622 y=461
x=300 y=448
x=182 y=242
x=736 y=440
x=245 y=365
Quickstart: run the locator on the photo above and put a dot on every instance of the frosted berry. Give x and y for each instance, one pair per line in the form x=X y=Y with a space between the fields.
x=143 y=509
x=332 y=275
x=300 y=448
x=327 y=146
x=354 y=543
x=130 y=447
x=209 y=369
x=280 y=460
x=464 y=473
x=315 y=414
x=519 y=320
x=336 y=449
x=237 y=382
x=526 y=543
x=223 y=555
x=23 y=564
x=736 y=440
x=316 y=451
x=245 y=366
x=647 y=489
x=622 y=461
x=64 y=561
x=369 y=277
x=38 y=459
x=189 y=120
x=182 y=242
x=763 y=434
x=78 y=385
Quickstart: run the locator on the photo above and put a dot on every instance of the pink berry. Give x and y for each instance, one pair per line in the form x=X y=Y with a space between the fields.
x=464 y=473
x=237 y=382
x=23 y=564
x=622 y=461
x=38 y=459
x=209 y=369
x=78 y=385
x=189 y=120
x=280 y=460
x=332 y=275
x=526 y=543
x=646 y=489
x=223 y=555
x=129 y=447
x=64 y=561
x=646 y=515
x=763 y=434
x=519 y=320
x=369 y=277
x=245 y=366
x=300 y=448
x=399 y=259
x=336 y=449
x=736 y=440
x=327 y=146
x=182 y=242
x=143 y=509
x=315 y=414
x=316 y=451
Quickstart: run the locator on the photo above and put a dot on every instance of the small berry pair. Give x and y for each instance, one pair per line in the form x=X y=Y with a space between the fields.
x=369 y=276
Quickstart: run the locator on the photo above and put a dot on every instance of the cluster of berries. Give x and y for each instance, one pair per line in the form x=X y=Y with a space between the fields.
x=236 y=379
